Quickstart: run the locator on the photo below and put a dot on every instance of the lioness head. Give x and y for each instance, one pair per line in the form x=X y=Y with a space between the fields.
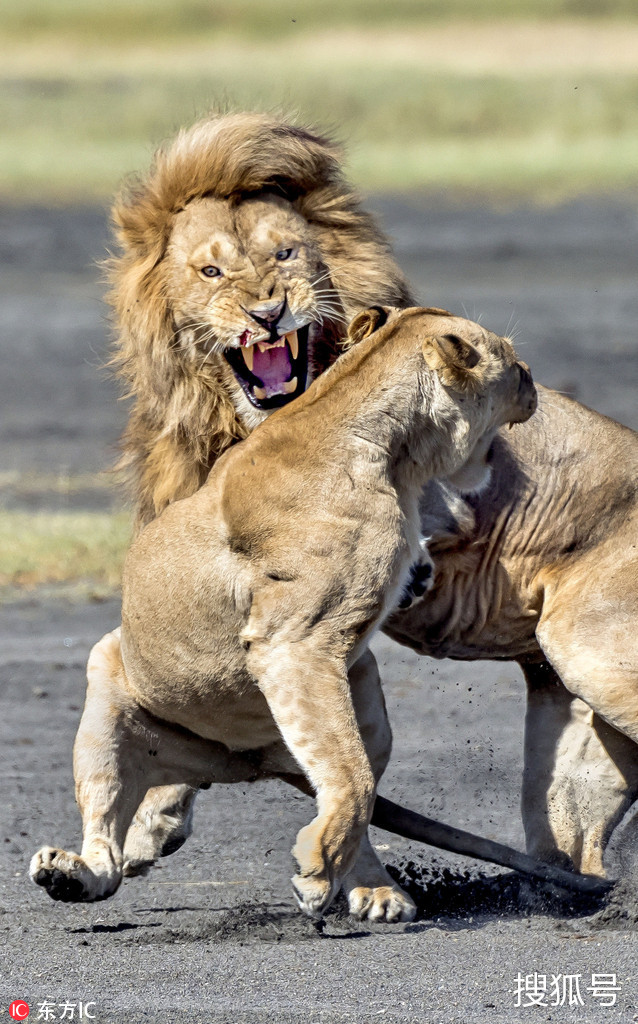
x=243 y=255
x=473 y=383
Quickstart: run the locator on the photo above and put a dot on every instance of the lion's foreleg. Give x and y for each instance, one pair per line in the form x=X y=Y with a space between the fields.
x=580 y=775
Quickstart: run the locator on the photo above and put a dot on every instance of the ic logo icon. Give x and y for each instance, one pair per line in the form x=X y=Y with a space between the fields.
x=19 y=1010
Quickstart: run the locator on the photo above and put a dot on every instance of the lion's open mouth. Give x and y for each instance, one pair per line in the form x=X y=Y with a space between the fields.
x=274 y=372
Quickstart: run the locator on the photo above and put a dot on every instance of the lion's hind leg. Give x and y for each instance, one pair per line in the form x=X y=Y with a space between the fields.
x=106 y=793
x=580 y=776
x=309 y=698
x=589 y=636
x=372 y=893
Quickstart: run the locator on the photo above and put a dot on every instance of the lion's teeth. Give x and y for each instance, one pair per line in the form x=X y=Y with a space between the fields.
x=293 y=341
x=249 y=356
x=263 y=346
x=280 y=342
x=289 y=386
x=259 y=393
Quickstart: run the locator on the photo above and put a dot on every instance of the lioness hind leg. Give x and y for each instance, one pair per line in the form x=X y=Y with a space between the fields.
x=580 y=775
x=106 y=796
x=120 y=752
x=163 y=820
x=370 y=890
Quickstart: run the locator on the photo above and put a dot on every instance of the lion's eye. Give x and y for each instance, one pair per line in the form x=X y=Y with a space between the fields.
x=285 y=254
x=211 y=272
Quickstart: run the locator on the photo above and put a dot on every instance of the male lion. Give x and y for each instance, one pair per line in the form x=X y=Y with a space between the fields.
x=235 y=195
x=541 y=567
x=191 y=402
x=246 y=622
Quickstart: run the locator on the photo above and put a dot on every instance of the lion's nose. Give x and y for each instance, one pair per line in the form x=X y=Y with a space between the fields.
x=267 y=315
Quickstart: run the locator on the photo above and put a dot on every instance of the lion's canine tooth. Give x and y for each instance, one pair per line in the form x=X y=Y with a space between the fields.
x=249 y=356
x=289 y=386
x=259 y=393
x=293 y=341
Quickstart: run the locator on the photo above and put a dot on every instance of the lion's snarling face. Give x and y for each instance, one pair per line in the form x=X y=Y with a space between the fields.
x=247 y=284
x=244 y=253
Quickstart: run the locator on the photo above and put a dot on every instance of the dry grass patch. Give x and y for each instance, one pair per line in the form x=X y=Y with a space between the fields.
x=66 y=547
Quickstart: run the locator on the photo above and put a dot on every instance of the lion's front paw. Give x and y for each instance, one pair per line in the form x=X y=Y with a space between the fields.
x=314 y=895
x=381 y=903
x=67 y=878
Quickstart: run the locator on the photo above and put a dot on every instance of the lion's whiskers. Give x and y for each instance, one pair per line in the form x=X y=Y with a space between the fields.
x=322 y=277
x=328 y=311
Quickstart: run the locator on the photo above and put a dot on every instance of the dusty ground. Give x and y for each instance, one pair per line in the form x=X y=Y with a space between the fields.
x=212 y=934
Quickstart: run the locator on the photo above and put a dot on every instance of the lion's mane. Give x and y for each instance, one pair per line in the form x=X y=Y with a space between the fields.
x=182 y=416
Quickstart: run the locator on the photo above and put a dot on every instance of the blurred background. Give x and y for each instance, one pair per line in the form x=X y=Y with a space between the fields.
x=520 y=97
x=534 y=97
x=497 y=140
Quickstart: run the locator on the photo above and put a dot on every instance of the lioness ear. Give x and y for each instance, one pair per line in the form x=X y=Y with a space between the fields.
x=453 y=358
x=366 y=322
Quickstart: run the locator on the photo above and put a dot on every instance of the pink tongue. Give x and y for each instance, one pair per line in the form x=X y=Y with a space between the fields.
x=273 y=366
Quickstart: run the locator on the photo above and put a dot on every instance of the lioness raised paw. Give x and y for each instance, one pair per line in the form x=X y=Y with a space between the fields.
x=68 y=879
x=161 y=826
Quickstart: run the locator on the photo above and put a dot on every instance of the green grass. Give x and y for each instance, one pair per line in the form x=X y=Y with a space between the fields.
x=70 y=548
x=541 y=135
x=537 y=98
x=119 y=20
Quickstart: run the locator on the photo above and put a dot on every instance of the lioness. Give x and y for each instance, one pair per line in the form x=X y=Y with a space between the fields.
x=247 y=622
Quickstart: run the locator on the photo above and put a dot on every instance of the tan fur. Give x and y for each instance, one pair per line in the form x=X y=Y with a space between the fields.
x=542 y=568
x=247 y=622
x=224 y=178
x=580 y=774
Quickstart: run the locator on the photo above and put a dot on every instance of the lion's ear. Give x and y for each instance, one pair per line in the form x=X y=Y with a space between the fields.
x=366 y=322
x=453 y=358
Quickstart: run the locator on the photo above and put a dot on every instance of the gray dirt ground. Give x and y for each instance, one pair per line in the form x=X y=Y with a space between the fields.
x=212 y=935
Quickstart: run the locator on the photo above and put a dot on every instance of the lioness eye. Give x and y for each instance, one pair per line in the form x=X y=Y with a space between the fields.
x=284 y=254
x=211 y=272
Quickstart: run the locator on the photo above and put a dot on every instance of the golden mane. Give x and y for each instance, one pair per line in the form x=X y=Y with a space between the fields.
x=183 y=417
